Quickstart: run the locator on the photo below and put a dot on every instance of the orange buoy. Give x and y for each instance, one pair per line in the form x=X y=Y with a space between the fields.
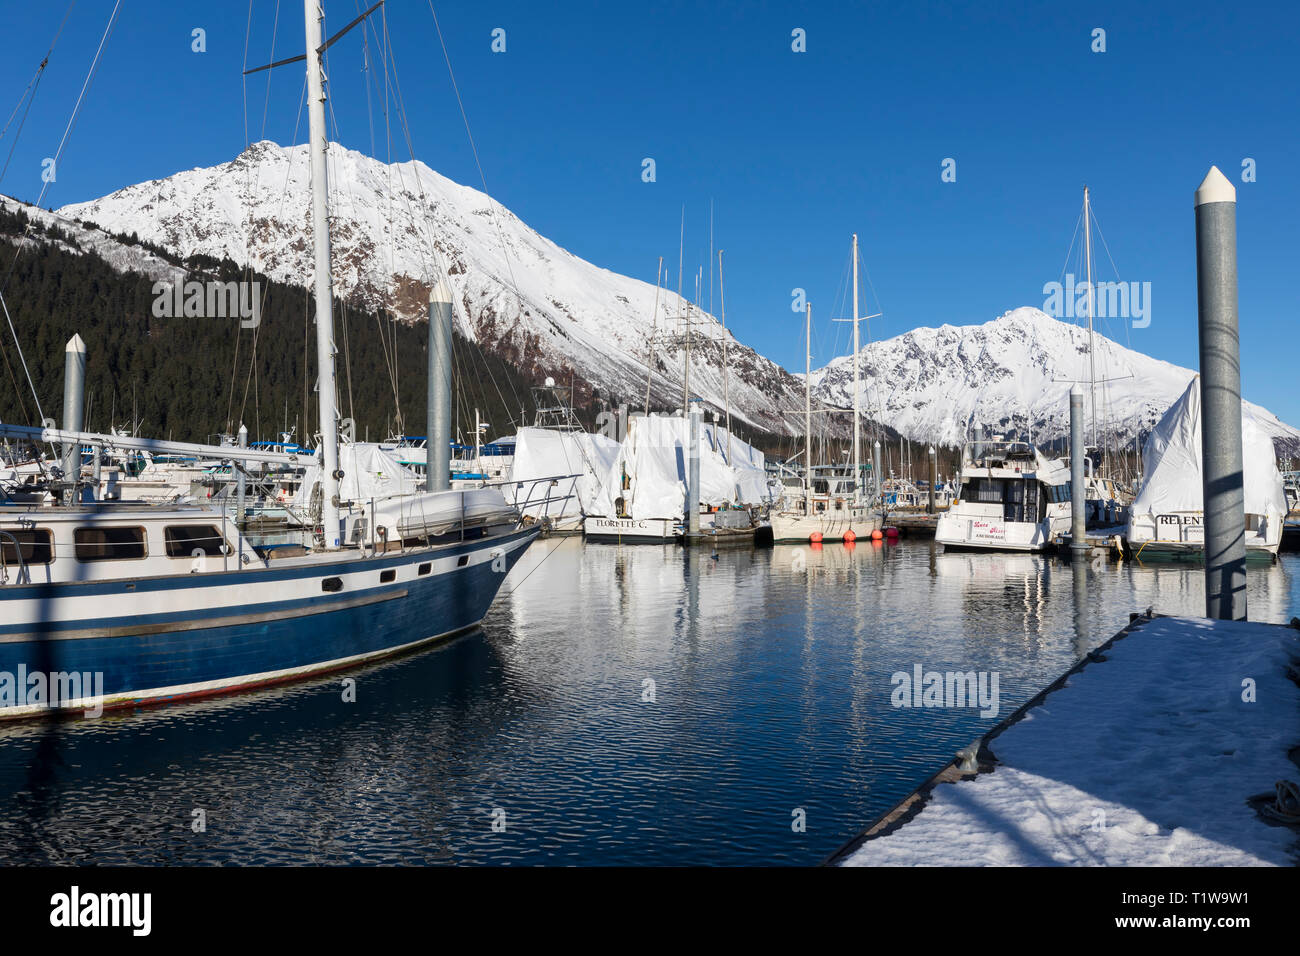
x=849 y=536
x=815 y=537
x=876 y=535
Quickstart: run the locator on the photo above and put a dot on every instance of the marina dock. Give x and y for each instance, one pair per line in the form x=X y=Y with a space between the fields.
x=1161 y=747
x=1107 y=543
x=916 y=523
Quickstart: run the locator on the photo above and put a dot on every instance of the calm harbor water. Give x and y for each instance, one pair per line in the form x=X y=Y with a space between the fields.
x=635 y=705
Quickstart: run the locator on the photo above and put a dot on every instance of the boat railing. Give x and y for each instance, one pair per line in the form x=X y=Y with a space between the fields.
x=978 y=453
x=539 y=493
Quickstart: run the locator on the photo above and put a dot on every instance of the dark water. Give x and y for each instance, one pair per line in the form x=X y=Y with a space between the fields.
x=771 y=684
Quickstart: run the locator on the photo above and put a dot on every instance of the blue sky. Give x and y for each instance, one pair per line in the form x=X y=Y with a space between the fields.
x=795 y=151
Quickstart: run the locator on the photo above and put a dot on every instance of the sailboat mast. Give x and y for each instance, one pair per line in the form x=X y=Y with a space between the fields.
x=686 y=364
x=857 y=402
x=1092 y=356
x=686 y=374
x=807 y=410
x=318 y=137
x=650 y=345
x=726 y=367
x=478 y=450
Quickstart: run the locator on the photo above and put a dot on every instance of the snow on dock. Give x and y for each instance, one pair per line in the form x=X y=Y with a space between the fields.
x=1151 y=753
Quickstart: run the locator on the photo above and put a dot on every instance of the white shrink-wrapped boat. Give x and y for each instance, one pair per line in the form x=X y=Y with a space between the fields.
x=1168 y=517
x=579 y=465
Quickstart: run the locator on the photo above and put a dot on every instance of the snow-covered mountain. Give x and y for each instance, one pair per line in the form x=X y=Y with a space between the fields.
x=551 y=313
x=1011 y=374
x=540 y=306
x=82 y=240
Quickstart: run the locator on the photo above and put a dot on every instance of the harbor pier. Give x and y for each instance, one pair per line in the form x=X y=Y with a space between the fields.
x=1170 y=744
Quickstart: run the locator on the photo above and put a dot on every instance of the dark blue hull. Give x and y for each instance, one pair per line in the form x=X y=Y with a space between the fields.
x=177 y=654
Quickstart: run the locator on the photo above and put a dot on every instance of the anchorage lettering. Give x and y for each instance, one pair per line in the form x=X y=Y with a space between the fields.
x=1111 y=300
x=211 y=300
x=59 y=688
x=103 y=909
x=946 y=689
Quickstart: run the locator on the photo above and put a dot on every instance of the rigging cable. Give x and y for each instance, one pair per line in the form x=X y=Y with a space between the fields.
x=58 y=153
x=29 y=94
x=482 y=179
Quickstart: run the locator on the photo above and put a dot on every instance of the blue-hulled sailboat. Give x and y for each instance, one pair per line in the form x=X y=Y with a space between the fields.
x=112 y=604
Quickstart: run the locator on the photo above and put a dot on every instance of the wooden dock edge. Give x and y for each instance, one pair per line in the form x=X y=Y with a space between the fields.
x=986 y=761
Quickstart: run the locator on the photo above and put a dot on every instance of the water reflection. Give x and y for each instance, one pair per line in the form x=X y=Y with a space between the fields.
x=770 y=676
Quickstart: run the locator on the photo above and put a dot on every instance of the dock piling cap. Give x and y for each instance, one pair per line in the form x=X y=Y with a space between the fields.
x=75 y=344
x=1215 y=188
x=439 y=293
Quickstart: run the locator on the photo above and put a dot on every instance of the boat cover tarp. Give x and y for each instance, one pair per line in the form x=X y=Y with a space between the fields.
x=748 y=465
x=655 y=461
x=1171 y=461
x=369 y=471
x=548 y=453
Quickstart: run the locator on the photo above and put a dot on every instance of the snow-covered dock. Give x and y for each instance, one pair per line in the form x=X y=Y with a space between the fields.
x=1157 y=750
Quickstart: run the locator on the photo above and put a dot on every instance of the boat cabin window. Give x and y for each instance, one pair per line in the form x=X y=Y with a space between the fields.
x=34 y=546
x=1059 y=493
x=1019 y=497
x=986 y=490
x=109 y=543
x=184 y=539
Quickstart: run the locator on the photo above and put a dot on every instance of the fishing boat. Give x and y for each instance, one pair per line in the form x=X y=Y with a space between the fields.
x=1012 y=498
x=109 y=604
x=1168 y=519
x=837 y=510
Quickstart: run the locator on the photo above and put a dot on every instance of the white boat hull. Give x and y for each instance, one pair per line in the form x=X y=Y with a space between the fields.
x=799 y=528
x=1181 y=535
x=632 y=530
x=958 y=530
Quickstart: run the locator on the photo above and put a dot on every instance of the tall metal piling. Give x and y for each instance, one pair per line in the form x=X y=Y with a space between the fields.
x=74 y=403
x=438 y=447
x=1216 y=309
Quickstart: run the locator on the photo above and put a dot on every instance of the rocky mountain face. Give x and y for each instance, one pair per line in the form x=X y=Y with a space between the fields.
x=546 y=310
x=1012 y=374
x=550 y=313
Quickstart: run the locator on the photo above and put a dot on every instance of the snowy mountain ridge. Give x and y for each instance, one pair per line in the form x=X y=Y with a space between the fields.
x=539 y=305
x=550 y=312
x=1013 y=373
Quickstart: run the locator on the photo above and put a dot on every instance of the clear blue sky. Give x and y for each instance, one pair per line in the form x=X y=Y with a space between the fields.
x=795 y=150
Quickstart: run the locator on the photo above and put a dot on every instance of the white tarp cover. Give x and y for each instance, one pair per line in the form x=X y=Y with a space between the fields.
x=748 y=464
x=547 y=453
x=1171 y=461
x=655 y=462
x=369 y=471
